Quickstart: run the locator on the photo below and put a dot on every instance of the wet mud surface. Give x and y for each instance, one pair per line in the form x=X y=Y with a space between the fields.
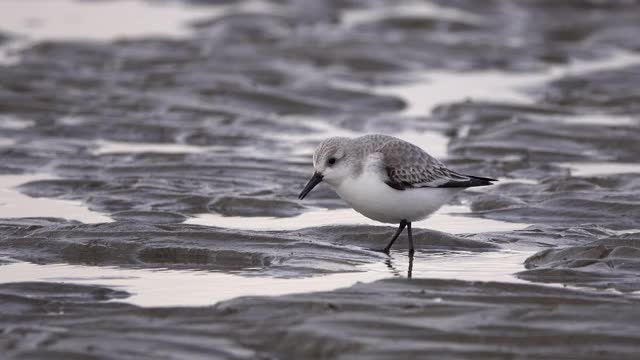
x=606 y=263
x=380 y=320
x=155 y=131
x=607 y=200
x=277 y=253
x=609 y=91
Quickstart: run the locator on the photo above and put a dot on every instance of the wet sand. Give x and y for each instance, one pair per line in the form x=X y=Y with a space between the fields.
x=149 y=175
x=385 y=319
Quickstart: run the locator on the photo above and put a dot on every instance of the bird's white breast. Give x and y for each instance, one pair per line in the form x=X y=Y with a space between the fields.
x=370 y=196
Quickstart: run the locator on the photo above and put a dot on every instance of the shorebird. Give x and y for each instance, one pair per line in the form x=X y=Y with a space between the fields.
x=387 y=179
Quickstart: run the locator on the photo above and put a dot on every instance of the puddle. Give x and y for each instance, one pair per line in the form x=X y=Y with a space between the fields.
x=10 y=51
x=14 y=204
x=626 y=231
x=601 y=119
x=600 y=168
x=356 y=16
x=443 y=87
x=197 y=288
x=489 y=266
x=447 y=219
x=447 y=86
x=115 y=147
x=13 y=123
x=40 y=20
x=179 y=288
x=95 y=20
x=5 y=142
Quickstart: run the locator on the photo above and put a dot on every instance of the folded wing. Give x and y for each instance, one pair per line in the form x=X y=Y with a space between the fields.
x=407 y=166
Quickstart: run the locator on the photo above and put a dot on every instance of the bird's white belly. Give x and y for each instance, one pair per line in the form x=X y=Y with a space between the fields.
x=371 y=197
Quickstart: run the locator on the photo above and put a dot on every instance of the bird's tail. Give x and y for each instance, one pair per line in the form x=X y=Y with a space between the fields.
x=480 y=181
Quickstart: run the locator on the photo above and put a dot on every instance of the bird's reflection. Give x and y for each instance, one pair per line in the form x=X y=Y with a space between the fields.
x=392 y=268
x=395 y=271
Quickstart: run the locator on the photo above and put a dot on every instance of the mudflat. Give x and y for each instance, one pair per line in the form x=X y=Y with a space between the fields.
x=124 y=143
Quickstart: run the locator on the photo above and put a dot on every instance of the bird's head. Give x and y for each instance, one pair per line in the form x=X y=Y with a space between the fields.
x=330 y=162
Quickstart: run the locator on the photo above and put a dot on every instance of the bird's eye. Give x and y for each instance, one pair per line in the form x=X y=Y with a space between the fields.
x=331 y=161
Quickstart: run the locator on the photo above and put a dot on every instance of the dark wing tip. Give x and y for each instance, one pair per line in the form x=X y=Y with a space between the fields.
x=482 y=180
x=473 y=181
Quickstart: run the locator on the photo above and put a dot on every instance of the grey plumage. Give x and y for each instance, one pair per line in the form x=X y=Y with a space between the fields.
x=406 y=165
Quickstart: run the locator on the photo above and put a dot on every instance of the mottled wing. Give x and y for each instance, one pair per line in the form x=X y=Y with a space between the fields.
x=408 y=166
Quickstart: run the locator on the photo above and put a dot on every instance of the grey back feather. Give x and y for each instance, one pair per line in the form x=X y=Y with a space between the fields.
x=403 y=165
x=408 y=166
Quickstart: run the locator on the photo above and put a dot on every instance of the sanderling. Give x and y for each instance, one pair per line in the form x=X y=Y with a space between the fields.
x=387 y=179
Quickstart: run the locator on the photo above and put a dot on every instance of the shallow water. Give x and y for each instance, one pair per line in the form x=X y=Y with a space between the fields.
x=8 y=122
x=448 y=219
x=160 y=287
x=83 y=20
x=115 y=147
x=14 y=204
x=601 y=168
x=442 y=87
x=407 y=8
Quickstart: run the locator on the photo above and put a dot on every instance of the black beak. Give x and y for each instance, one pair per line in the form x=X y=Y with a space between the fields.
x=315 y=180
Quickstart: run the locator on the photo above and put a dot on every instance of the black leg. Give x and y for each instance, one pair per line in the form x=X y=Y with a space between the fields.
x=411 y=249
x=403 y=224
